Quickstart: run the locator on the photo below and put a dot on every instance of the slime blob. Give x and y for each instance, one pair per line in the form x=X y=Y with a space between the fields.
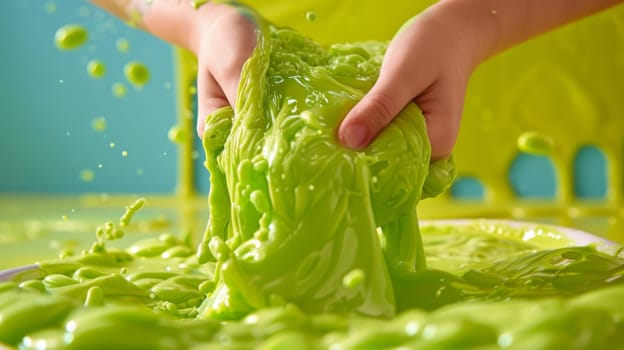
x=50 y=7
x=535 y=143
x=70 y=37
x=136 y=73
x=96 y=68
x=87 y=175
x=123 y=45
x=119 y=90
x=99 y=124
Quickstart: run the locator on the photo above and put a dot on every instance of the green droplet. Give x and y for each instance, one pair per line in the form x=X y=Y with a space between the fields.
x=535 y=143
x=136 y=73
x=353 y=279
x=123 y=45
x=311 y=16
x=96 y=68
x=119 y=90
x=50 y=7
x=70 y=37
x=87 y=175
x=99 y=124
x=177 y=135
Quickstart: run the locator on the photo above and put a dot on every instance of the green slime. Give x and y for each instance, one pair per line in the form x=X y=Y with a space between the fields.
x=292 y=258
x=499 y=292
x=291 y=211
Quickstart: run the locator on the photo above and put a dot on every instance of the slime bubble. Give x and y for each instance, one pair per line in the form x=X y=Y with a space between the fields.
x=70 y=37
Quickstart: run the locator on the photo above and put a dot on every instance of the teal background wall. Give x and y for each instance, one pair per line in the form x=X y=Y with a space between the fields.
x=48 y=102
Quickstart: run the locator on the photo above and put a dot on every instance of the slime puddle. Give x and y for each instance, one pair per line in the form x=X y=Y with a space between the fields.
x=292 y=258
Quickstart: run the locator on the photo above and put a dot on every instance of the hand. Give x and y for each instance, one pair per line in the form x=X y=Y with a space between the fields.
x=429 y=62
x=225 y=38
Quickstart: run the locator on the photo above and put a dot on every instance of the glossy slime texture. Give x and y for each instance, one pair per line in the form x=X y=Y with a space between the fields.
x=157 y=295
x=136 y=73
x=70 y=37
x=96 y=69
x=293 y=213
x=148 y=297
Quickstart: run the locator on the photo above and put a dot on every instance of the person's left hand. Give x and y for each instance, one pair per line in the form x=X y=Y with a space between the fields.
x=225 y=38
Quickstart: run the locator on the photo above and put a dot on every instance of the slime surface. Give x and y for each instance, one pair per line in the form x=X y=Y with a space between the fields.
x=292 y=258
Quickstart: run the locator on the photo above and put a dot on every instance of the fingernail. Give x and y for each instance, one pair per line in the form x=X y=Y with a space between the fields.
x=355 y=136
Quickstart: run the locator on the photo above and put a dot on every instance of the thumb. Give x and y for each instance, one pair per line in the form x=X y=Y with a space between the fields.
x=375 y=111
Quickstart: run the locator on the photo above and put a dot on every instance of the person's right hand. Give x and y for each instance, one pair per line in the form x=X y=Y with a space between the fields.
x=224 y=38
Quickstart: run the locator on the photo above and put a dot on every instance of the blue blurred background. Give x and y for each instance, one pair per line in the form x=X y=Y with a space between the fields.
x=49 y=103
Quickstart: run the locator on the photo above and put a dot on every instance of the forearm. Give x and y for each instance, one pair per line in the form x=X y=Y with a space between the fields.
x=174 y=21
x=500 y=24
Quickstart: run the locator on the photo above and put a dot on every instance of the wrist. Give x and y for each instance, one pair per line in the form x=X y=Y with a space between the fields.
x=199 y=23
x=177 y=22
x=475 y=24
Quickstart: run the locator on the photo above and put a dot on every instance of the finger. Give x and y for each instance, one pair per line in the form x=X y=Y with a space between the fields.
x=210 y=97
x=236 y=45
x=442 y=108
x=399 y=82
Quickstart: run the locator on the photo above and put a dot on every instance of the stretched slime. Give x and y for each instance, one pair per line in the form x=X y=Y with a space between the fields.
x=291 y=211
x=313 y=246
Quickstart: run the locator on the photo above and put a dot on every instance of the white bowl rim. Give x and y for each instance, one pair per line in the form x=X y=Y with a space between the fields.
x=578 y=237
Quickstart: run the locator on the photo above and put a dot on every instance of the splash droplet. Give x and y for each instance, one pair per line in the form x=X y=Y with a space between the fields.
x=50 y=7
x=353 y=279
x=70 y=37
x=123 y=45
x=119 y=90
x=535 y=143
x=137 y=73
x=98 y=124
x=96 y=69
x=177 y=135
x=87 y=175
